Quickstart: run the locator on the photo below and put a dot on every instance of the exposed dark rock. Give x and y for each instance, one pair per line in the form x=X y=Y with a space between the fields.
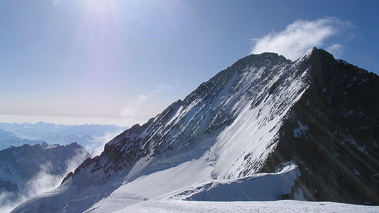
x=337 y=152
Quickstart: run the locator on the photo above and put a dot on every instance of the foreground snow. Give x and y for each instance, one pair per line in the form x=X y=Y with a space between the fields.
x=185 y=182
x=169 y=191
x=261 y=192
x=289 y=206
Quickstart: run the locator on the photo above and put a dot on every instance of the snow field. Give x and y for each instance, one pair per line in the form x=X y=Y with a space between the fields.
x=283 y=206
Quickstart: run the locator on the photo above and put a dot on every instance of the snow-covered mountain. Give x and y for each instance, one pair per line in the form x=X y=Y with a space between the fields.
x=313 y=124
x=30 y=169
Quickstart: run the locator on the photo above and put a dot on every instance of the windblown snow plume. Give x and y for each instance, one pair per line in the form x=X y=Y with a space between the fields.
x=39 y=171
x=301 y=35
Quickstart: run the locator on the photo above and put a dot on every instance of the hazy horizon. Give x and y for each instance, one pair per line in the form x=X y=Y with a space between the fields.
x=64 y=120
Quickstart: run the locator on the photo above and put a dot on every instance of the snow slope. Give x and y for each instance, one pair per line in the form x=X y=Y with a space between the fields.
x=258 y=187
x=284 y=206
x=135 y=196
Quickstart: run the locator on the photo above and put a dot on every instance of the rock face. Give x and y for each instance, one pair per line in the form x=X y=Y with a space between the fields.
x=332 y=133
x=258 y=115
x=20 y=166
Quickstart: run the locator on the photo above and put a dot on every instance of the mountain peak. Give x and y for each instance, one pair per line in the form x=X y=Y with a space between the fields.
x=314 y=53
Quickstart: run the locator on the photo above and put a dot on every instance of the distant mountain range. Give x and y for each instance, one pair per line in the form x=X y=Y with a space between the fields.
x=265 y=128
x=8 y=139
x=89 y=136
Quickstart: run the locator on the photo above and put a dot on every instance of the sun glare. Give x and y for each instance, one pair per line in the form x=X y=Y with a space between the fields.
x=100 y=7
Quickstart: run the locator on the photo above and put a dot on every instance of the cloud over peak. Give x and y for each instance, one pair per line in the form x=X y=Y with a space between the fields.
x=301 y=35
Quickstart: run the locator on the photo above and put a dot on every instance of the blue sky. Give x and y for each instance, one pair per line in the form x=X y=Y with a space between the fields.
x=124 y=61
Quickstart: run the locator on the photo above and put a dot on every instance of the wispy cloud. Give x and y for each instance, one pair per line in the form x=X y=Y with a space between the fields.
x=45 y=181
x=97 y=145
x=136 y=109
x=301 y=35
x=336 y=49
